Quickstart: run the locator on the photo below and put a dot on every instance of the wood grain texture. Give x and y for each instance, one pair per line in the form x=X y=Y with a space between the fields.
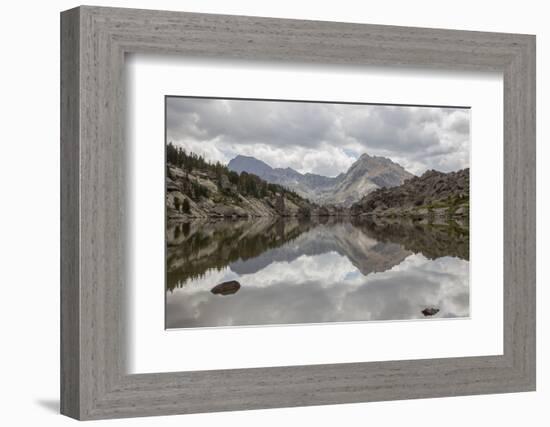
x=94 y=237
x=70 y=291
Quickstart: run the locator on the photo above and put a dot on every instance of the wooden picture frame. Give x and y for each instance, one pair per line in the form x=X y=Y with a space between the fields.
x=94 y=41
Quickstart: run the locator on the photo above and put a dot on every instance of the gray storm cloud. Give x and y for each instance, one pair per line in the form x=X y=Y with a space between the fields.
x=320 y=138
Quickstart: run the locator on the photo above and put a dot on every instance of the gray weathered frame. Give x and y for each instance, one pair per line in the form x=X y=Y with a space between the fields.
x=94 y=41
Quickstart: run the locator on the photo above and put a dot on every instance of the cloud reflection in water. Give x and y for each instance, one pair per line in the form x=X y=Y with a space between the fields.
x=329 y=273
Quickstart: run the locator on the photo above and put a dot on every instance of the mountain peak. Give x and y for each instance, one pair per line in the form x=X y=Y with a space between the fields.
x=366 y=174
x=378 y=161
x=249 y=164
x=242 y=157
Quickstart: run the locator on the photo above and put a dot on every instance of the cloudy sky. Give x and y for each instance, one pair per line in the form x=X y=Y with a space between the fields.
x=320 y=138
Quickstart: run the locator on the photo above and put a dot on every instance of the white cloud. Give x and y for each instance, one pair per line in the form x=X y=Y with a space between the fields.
x=320 y=138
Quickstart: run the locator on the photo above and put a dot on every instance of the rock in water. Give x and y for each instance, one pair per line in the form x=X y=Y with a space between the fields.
x=430 y=311
x=226 y=288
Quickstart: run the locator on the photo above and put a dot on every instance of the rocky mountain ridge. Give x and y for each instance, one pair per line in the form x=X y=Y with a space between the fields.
x=433 y=194
x=196 y=188
x=367 y=174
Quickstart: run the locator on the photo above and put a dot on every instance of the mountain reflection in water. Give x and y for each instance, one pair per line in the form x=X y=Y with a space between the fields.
x=311 y=271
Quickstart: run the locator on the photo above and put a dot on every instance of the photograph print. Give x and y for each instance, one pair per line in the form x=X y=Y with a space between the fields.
x=295 y=212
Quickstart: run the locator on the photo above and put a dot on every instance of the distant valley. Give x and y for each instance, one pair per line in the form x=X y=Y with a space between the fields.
x=367 y=174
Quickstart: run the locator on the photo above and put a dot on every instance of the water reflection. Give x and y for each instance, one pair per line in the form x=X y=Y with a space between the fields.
x=311 y=271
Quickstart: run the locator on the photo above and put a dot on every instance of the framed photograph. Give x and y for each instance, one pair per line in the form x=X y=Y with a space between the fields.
x=332 y=233
x=262 y=213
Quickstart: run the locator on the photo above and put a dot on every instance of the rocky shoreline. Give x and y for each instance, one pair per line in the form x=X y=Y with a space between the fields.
x=201 y=194
x=434 y=196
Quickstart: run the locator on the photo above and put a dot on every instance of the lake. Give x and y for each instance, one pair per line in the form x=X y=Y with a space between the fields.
x=292 y=271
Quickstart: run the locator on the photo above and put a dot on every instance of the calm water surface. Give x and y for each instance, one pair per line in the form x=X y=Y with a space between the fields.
x=310 y=271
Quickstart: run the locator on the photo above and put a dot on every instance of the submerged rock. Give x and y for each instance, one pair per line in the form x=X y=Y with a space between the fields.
x=226 y=288
x=430 y=311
